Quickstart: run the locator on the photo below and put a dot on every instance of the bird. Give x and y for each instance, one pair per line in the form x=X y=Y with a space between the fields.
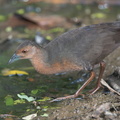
x=75 y=50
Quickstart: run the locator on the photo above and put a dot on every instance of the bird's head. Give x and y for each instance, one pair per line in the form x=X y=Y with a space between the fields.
x=25 y=50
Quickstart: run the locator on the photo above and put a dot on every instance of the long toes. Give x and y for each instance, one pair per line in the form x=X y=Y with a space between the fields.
x=91 y=92
x=56 y=100
x=67 y=97
x=63 y=98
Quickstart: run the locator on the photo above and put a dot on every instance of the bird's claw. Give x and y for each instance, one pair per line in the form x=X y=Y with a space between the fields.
x=56 y=100
x=67 y=97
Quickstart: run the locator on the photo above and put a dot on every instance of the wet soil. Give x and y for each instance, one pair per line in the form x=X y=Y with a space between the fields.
x=87 y=108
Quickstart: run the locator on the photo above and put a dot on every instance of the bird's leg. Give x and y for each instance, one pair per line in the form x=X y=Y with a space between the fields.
x=102 y=68
x=78 y=92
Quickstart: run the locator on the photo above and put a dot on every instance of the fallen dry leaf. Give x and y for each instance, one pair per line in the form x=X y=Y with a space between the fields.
x=14 y=72
x=106 y=85
x=33 y=20
x=31 y=79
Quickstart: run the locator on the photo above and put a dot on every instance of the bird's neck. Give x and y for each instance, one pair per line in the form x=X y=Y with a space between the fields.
x=42 y=64
x=39 y=61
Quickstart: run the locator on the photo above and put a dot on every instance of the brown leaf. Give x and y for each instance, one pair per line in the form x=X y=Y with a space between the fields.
x=31 y=79
x=33 y=20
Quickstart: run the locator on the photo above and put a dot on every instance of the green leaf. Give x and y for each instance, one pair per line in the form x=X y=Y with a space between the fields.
x=34 y=91
x=98 y=15
x=9 y=100
x=21 y=11
x=45 y=107
x=48 y=37
x=8 y=29
x=44 y=99
x=45 y=115
x=57 y=29
x=79 y=7
x=21 y=101
x=29 y=99
x=2 y=17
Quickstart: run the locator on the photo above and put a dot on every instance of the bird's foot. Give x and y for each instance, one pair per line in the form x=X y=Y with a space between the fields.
x=66 y=97
x=91 y=92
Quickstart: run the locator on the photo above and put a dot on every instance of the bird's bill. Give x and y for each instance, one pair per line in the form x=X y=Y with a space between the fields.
x=14 y=58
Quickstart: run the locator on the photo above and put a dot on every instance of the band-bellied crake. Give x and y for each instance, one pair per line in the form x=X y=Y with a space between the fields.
x=77 y=49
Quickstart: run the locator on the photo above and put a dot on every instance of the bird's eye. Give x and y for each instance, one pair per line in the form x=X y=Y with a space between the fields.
x=24 y=51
